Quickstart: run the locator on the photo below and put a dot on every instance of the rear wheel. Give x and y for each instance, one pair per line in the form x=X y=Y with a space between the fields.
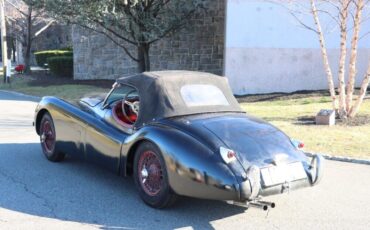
x=151 y=177
x=48 y=139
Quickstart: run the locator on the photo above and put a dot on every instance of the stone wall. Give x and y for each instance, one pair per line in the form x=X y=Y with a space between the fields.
x=55 y=37
x=200 y=46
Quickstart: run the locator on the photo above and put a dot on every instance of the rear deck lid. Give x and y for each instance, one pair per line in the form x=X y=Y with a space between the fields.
x=254 y=141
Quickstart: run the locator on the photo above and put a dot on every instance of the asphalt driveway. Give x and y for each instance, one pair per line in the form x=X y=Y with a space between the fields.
x=37 y=194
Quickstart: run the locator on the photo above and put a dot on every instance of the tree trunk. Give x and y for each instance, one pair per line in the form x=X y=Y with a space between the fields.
x=342 y=60
x=13 y=49
x=27 y=57
x=324 y=54
x=360 y=99
x=353 y=59
x=143 y=56
x=10 y=46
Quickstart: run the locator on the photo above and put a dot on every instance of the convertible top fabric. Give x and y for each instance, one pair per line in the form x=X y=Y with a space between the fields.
x=160 y=94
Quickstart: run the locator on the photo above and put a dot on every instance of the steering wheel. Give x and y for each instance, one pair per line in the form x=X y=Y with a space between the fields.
x=134 y=107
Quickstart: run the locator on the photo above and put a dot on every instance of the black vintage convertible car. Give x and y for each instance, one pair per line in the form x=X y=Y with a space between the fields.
x=178 y=133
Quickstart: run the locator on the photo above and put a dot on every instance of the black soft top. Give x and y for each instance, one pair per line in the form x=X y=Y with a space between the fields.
x=160 y=94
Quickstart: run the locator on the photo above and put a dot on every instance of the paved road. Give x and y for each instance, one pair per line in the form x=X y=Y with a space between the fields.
x=37 y=194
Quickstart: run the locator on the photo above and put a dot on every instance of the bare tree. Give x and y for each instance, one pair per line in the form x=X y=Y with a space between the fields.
x=128 y=23
x=347 y=16
x=26 y=23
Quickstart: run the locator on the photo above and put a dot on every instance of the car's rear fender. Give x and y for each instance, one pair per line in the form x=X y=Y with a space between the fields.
x=193 y=169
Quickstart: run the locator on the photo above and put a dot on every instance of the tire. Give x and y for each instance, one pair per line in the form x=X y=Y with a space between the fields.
x=150 y=176
x=48 y=139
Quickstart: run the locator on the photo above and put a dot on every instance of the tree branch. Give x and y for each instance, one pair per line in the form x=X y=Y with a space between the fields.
x=17 y=8
x=112 y=39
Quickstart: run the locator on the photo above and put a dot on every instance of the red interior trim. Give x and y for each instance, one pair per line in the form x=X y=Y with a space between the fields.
x=120 y=118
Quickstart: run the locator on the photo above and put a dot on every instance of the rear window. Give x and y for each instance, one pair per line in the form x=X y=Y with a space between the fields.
x=203 y=95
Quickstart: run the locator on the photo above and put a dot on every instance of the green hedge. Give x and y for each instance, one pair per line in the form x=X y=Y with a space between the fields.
x=61 y=66
x=42 y=56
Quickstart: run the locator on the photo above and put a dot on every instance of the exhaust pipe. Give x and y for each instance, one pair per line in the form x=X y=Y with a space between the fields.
x=270 y=204
x=264 y=205
x=259 y=205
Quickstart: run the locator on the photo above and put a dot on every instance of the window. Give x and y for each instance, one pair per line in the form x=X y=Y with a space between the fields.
x=203 y=95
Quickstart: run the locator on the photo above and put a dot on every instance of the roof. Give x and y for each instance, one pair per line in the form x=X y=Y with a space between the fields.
x=160 y=95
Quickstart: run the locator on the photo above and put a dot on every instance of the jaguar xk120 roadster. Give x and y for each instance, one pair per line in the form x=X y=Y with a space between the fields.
x=178 y=133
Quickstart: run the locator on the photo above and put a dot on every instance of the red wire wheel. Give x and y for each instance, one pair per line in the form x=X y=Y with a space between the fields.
x=47 y=136
x=150 y=173
x=150 y=176
x=48 y=139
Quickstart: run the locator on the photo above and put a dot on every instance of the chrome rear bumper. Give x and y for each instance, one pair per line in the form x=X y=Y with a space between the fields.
x=314 y=173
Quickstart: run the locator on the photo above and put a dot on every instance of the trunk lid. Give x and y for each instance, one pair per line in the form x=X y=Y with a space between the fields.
x=254 y=141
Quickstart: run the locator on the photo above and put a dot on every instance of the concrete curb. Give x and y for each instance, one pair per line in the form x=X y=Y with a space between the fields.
x=342 y=159
x=21 y=94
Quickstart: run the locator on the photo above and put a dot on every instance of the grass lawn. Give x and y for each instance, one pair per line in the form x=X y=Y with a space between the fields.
x=68 y=91
x=285 y=113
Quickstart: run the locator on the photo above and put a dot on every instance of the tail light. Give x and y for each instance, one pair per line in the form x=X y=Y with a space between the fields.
x=227 y=155
x=297 y=144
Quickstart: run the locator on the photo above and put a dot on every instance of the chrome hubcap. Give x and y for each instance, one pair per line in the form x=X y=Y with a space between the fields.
x=144 y=174
x=47 y=137
x=150 y=173
x=43 y=138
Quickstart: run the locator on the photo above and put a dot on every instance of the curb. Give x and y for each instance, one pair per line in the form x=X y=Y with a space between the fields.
x=342 y=159
x=21 y=94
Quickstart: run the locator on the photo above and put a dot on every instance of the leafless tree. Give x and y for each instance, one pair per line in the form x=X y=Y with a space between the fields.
x=128 y=23
x=348 y=17
x=26 y=23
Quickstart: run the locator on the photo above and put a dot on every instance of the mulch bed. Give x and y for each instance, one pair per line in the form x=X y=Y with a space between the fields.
x=281 y=96
x=286 y=96
x=359 y=120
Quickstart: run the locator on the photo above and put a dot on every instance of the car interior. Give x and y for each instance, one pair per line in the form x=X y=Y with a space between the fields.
x=125 y=112
x=126 y=109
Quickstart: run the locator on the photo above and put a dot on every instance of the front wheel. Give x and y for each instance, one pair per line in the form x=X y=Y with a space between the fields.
x=151 y=177
x=48 y=139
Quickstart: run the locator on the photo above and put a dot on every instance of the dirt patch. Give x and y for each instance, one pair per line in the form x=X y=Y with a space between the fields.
x=42 y=78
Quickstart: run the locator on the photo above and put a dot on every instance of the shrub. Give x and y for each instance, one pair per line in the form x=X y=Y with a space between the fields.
x=67 y=48
x=61 y=65
x=42 y=56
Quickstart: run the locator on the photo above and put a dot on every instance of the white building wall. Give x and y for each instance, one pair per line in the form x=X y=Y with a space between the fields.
x=267 y=51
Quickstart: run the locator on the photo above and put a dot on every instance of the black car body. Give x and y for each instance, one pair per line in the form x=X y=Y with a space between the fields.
x=178 y=133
